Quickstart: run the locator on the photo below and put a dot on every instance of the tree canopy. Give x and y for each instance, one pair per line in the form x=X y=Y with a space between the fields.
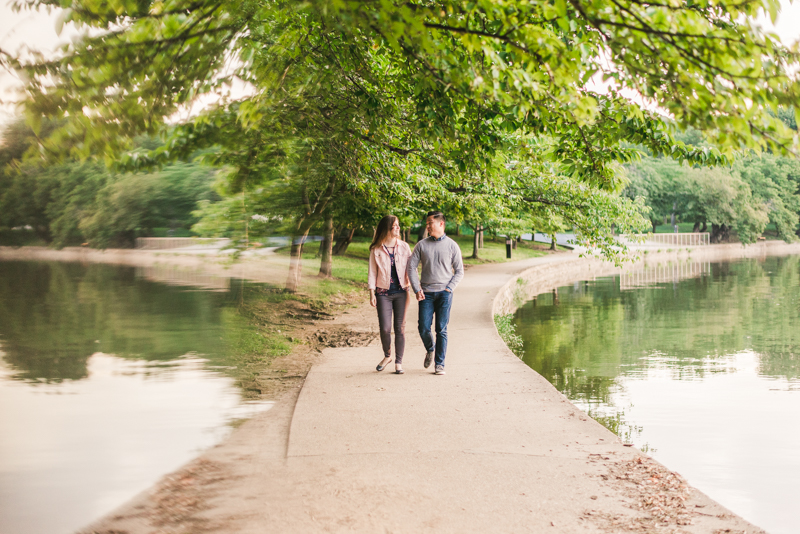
x=470 y=104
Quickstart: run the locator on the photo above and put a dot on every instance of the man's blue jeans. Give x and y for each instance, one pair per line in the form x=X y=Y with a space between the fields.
x=436 y=303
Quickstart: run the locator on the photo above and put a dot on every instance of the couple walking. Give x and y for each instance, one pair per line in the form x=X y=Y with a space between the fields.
x=393 y=269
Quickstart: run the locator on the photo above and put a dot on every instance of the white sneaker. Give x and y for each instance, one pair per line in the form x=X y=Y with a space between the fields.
x=439 y=370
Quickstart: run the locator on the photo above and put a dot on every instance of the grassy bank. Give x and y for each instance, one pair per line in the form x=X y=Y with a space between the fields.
x=272 y=337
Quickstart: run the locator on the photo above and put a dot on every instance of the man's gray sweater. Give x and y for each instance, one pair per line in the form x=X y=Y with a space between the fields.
x=442 y=267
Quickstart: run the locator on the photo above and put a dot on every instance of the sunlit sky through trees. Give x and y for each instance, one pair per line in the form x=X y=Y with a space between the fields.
x=37 y=31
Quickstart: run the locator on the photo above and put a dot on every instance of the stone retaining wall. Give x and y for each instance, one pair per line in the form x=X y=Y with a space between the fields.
x=571 y=268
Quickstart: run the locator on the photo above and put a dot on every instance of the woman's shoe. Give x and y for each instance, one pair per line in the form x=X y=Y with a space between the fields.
x=398 y=371
x=382 y=365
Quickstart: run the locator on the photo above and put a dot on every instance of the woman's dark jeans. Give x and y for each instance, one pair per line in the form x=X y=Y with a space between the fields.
x=389 y=305
x=438 y=303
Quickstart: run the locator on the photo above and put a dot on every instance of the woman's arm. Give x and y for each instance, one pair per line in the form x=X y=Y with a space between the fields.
x=372 y=278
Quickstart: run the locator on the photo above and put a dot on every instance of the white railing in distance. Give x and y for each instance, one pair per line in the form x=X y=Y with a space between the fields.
x=686 y=239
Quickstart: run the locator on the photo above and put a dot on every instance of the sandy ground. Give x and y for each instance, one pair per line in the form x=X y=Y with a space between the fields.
x=171 y=266
x=489 y=447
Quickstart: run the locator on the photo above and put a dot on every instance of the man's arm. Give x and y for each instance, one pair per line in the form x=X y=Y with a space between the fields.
x=458 y=268
x=411 y=269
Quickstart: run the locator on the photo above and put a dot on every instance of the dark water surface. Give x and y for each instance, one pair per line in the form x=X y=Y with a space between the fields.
x=697 y=363
x=109 y=378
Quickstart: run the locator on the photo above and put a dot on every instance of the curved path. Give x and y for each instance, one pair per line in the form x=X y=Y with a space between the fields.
x=489 y=447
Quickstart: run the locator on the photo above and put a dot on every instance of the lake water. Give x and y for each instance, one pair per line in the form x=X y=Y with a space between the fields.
x=699 y=364
x=110 y=377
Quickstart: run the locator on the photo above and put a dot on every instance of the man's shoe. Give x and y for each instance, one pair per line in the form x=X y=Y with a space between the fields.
x=439 y=370
x=428 y=359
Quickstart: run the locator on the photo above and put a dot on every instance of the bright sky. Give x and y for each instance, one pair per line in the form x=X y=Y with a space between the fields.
x=19 y=31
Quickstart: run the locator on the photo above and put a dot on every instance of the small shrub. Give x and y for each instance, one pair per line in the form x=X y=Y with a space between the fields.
x=507 y=331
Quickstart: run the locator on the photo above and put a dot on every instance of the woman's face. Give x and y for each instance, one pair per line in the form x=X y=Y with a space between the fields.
x=396 y=229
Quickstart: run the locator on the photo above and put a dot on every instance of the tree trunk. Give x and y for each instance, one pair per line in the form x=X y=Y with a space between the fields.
x=480 y=237
x=295 y=265
x=406 y=234
x=326 y=264
x=553 y=242
x=719 y=233
x=458 y=229
x=422 y=234
x=296 y=256
x=705 y=227
x=655 y=224
x=696 y=227
x=475 y=242
x=343 y=241
x=312 y=213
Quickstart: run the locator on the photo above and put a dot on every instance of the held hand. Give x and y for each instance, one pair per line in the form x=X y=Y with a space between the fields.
x=420 y=295
x=372 y=300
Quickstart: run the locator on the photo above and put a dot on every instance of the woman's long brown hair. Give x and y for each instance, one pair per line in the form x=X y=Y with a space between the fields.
x=384 y=229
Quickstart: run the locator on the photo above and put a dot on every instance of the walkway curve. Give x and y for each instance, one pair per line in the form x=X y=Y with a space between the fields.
x=489 y=447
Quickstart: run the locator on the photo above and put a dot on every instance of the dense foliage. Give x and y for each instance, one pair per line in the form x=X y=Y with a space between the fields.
x=486 y=108
x=745 y=197
x=72 y=202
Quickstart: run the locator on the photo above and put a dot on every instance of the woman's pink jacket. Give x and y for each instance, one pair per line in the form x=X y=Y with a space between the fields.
x=380 y=266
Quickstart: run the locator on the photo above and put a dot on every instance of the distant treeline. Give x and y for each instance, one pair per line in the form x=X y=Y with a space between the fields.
x=737 y=201
x=72 y=202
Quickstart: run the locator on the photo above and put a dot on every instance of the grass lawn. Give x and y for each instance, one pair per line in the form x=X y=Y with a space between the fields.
x=495 y=252
x=683 y=228
x=352 y=267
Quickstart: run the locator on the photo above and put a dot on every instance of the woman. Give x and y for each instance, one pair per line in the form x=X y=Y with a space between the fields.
x=388 y=288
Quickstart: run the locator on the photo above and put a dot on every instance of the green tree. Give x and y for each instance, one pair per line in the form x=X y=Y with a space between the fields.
x=439 y=98
x=774 y=182
x=71 y=202
x=755 y=191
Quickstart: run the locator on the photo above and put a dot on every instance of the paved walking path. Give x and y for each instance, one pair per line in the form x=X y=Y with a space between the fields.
x=489 y=447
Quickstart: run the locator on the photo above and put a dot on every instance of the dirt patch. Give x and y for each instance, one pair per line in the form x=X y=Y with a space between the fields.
x=342 y=337
x=176 y=503
x=658 y=494
x=182 y=495
x=305 y=325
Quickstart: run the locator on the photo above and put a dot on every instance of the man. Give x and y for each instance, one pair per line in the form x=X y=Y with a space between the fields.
x=442 y=270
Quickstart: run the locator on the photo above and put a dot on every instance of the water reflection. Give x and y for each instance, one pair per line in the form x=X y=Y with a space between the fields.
x=704 y=370
x=107 y=381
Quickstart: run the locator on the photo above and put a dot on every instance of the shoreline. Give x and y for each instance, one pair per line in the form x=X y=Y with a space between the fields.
x=528 y=283
x=303 y=467
x=209 y=265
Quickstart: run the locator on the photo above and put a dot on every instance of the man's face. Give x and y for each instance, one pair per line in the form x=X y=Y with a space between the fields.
x=435 y=227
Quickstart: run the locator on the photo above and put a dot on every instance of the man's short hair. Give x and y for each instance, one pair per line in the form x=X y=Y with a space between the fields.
x=437 y=215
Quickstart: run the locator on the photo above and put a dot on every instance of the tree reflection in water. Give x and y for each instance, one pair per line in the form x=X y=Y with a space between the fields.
x=54 y=316
x=593 y=333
